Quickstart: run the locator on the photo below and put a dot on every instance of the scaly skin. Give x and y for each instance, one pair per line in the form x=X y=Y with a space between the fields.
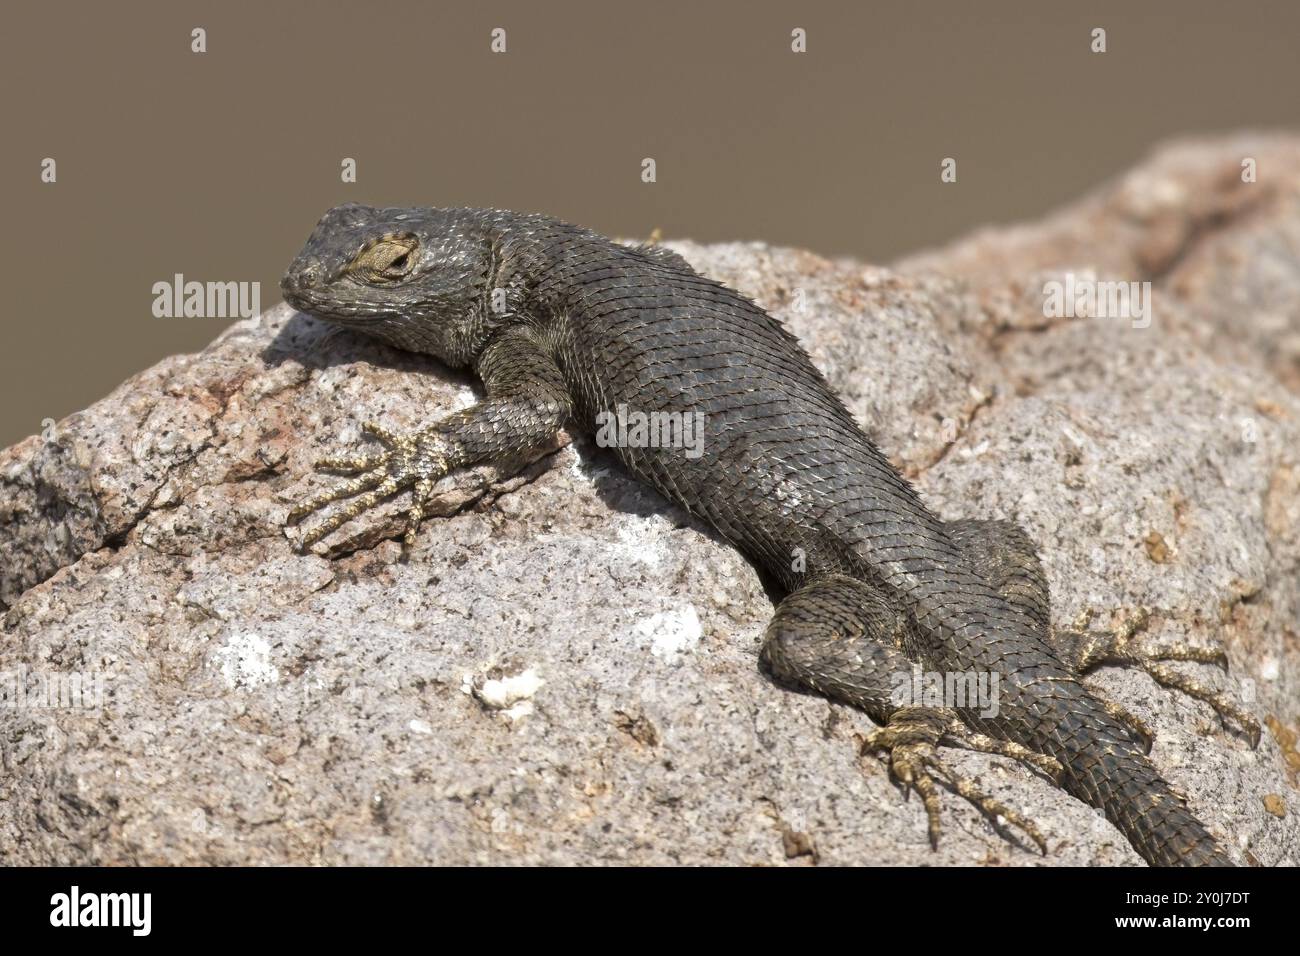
x=562 y=325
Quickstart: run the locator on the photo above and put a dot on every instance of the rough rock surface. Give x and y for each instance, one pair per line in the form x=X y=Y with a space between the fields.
x=565 y=671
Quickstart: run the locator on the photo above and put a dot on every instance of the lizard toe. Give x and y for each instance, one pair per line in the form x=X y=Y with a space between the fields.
x=912 y=737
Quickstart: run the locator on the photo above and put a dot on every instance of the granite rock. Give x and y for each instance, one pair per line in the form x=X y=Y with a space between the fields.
x=565 y=669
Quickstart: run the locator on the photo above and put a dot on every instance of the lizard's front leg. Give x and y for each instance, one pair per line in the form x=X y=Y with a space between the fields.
x=526 y=404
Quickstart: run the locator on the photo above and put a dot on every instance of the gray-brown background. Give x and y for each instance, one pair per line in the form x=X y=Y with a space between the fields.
x=217 y=165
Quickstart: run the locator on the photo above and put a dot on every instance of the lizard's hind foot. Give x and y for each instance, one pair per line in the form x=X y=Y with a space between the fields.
x=912 y=736
x=1084 y=650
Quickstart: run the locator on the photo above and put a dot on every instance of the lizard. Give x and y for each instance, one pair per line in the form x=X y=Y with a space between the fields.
x=563 y=326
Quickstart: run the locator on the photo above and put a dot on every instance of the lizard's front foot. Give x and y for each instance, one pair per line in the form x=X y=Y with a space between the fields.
x=912 y=735
x=418 y=462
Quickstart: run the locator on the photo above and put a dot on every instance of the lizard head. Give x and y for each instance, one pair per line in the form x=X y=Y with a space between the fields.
x=416 y=278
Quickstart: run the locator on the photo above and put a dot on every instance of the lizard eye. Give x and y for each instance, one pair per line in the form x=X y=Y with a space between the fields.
x=388 y=260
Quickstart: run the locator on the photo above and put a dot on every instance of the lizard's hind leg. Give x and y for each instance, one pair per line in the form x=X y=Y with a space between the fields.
x=1007 y=559
x=838 y=636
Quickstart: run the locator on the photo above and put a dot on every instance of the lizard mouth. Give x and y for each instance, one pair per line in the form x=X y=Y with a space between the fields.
x=294 y=293
x=322 y=306
x=301 y=300
x=304 y=292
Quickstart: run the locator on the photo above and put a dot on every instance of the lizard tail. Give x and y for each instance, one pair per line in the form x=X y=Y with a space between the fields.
x=1105 y=770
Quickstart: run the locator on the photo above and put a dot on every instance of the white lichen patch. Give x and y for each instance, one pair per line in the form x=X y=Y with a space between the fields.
x=510 y=695
x=521 y=709
x=642 y=540
x=671 y=633
x=464 y=398
x=245 y=661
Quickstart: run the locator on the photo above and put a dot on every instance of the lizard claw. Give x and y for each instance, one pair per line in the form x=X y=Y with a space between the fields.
x=415 y=462
x=912 y=735
x=1141 y=732
x=423 y=488
x=1090 y=649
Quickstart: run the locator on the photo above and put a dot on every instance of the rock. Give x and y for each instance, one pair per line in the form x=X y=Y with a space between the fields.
x=565 y=671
